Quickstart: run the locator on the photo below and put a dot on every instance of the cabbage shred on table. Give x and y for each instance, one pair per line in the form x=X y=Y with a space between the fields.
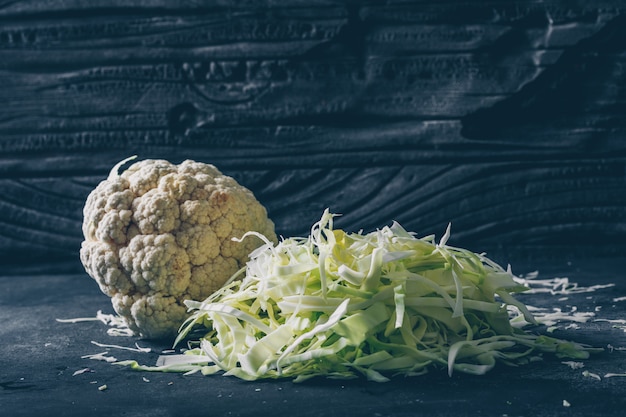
x=380 y=304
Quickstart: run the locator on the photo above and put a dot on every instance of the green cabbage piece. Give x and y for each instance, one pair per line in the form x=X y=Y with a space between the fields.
x=340 y=305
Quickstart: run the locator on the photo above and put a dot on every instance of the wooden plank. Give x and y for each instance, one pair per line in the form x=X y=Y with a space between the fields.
x=490 y=197
x=503 y=118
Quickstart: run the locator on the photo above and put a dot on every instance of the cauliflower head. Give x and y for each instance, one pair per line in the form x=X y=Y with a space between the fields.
x=159 y=233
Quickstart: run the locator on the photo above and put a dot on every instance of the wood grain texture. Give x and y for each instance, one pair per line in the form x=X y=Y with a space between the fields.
x=505 y=118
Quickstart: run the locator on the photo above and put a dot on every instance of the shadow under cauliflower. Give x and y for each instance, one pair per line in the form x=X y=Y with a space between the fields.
x=159 y=233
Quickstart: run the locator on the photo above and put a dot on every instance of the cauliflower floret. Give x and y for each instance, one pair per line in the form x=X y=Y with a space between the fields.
x=159 y=233
x=149 y=314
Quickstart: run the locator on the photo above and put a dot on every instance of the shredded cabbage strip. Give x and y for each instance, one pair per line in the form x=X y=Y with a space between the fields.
x=340 y=305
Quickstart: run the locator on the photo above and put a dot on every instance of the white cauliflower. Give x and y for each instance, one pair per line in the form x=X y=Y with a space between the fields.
x=160 y=233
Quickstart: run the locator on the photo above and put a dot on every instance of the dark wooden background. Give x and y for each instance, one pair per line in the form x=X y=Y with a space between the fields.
x=505 y=118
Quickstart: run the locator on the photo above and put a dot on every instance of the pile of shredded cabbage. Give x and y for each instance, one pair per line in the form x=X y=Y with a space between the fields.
x=340 y=305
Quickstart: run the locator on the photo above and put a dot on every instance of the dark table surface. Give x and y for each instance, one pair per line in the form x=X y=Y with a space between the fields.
x=39 y=356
